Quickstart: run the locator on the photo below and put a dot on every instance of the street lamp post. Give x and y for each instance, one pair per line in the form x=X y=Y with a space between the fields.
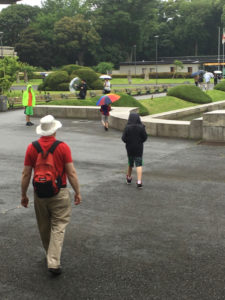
x=135 y=59
x=1 y=36
x=156 y=57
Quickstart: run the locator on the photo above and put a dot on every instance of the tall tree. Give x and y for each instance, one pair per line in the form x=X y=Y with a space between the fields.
x=75 y=37
x=14 y=19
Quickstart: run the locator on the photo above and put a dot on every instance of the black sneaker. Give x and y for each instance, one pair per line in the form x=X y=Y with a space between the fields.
x=56 y=272
x=128 y=180
x=139 y=185
x=28 y=124
x=31 y=123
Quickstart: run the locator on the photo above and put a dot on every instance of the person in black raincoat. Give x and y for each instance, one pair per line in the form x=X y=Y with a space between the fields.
x=83 y=89
x=134 y=135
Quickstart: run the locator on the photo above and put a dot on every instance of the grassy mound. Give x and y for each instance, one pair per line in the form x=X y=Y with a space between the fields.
x=124 y=101
x=220 y=86
x=190 y=93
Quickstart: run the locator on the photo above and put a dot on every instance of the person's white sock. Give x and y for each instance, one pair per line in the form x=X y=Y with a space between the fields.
x=139 y=182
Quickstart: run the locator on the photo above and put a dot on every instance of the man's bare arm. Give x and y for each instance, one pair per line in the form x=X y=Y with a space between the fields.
x=73 y=179
x=26 y=175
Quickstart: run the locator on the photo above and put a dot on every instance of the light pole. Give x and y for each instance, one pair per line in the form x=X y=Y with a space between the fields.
x=1 y=36
x=156 y=58
x=135 y=59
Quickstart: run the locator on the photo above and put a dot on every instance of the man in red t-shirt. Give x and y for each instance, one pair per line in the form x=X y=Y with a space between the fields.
x=53 y=213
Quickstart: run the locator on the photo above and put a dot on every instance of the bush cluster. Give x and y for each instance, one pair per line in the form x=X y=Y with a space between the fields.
x=59 y=80
x=190 y=93
x=220 y=86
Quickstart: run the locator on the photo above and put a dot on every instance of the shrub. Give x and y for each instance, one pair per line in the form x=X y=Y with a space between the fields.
x=53 y=80
x=104 y=67
x=87 y=74
x=189 y=93
x=97 y=85
x=71 y=68
x=220 y=86
x=63 y=86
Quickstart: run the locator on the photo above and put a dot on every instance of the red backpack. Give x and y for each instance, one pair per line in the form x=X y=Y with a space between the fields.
x=47 y=180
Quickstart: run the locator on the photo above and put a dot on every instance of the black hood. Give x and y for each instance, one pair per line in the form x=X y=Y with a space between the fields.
x=134 y=119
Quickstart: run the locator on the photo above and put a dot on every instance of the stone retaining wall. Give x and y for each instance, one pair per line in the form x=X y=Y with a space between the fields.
x=161 y=125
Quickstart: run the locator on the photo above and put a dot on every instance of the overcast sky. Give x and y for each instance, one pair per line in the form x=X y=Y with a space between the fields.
x=29 y=2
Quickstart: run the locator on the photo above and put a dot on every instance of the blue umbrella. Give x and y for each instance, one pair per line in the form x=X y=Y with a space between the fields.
x=198 y=73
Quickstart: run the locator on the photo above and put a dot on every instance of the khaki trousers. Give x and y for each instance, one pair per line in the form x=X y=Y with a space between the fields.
x=53 y=215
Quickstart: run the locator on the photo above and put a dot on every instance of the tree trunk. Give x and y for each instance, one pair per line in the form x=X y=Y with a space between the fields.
x=25 y=77
x=17 y=77
x=196 y=48
x=81 y=58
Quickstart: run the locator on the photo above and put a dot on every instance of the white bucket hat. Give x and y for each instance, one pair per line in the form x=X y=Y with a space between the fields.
x=48 y=126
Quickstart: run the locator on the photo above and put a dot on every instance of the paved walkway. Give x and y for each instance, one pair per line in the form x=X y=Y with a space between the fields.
x=164 y=242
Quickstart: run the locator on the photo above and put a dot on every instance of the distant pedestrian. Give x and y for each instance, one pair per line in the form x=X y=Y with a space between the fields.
x=105 y=109
x=200 y=81
x=107 y=87
x=134 y=135
x=52 y=163
x=196 y=79
x=29 y=102
x=215 y=79
x=83 y=89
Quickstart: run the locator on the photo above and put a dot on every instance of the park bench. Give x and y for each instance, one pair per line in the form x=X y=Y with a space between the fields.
x=138 y=91
x=128 y=91
x=147 y=90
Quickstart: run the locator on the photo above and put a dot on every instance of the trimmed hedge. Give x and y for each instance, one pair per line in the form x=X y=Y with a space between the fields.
x=190 y=93
x=220 y=86
x=71 y=68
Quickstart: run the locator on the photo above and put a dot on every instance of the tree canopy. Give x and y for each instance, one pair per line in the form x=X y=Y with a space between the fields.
x=92 y=31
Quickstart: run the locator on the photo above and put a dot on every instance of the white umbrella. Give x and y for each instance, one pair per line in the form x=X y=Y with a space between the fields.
x=208 y=75
x=105 y=77
x=218 y=72
x=74 y=84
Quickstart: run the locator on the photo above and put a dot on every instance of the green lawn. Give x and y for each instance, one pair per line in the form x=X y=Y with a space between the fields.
x=167 y=103
x=216 y=95
x=164 y=104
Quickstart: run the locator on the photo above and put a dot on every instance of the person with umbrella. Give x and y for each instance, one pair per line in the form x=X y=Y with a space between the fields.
x=105 y=103
x=107 y=86
x=83 y=89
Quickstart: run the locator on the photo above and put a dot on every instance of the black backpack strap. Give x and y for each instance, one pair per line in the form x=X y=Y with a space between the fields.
x=53 y=146
x=37 y=146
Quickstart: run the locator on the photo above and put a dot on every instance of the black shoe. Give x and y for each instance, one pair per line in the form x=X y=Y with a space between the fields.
x=128 y=180
x=56 y=272
x=31 y=123
x=139 y=185
x=28 y=124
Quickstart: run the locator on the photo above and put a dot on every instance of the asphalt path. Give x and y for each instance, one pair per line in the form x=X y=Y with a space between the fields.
x=166 y=241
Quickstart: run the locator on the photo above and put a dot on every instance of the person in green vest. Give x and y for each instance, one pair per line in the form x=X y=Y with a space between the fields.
x=29 y=102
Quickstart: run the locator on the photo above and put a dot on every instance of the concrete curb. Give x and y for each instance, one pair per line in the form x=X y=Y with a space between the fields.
x=160 y=125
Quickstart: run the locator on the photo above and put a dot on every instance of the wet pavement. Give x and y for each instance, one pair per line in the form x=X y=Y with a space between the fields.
x=166 y=241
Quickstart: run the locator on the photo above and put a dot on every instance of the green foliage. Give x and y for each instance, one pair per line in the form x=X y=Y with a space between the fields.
x=129 y=101
x=104 y=67
x=14 y=19
x=189 y=93
x=220 y=86
x=97 y=85
x=63 y=86
x=87 y=74
x=53 y=81
x=71 y=68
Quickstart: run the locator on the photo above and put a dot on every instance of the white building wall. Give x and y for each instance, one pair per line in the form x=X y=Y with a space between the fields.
x=140 y=69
